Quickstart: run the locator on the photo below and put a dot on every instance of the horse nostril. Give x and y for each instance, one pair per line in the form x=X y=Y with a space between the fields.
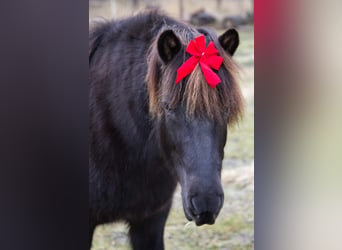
x=196 y=204
x=192 y=205
x=221 y=200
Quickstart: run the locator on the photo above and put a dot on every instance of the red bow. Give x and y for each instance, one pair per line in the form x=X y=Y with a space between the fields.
x=207 y=58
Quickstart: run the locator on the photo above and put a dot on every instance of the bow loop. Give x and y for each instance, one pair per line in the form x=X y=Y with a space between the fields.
x=211 y=50
x=207 y=57
x=193 y=49
x=200 y=42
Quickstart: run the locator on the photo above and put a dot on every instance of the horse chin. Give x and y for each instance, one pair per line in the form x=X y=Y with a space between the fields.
x=205 y=218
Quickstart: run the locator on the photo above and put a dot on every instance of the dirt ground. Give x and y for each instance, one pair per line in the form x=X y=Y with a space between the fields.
x=234 y=227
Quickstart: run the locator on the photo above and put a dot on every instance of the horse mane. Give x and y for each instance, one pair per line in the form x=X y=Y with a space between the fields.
x=198 y=98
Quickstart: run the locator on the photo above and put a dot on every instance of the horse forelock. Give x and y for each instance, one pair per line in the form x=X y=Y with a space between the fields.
x=198 y=98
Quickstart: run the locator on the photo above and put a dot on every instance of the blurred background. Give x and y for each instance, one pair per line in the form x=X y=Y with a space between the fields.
x=241 y=11
x=234 y=228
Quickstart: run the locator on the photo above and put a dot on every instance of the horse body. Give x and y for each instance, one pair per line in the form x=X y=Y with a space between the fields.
x=132 y=162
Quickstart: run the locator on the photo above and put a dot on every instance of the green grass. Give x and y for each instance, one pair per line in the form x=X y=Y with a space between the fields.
x=218 y=236
x=240 y=142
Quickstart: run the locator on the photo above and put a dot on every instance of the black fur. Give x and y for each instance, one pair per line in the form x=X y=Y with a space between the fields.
x=127 y=178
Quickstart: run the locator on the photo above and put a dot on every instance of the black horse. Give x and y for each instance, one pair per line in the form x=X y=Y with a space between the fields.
x=148 y=133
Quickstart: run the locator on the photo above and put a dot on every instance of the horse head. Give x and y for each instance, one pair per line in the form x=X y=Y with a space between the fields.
x=191 y=116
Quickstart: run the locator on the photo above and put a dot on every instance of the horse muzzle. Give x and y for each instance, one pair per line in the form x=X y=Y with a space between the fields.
x=203 y=209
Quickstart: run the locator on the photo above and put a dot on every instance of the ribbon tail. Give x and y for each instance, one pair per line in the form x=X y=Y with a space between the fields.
x=210 y=76
x=187 y=67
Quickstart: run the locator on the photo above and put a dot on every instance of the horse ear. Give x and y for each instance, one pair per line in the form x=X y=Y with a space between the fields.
x=168 y=45
x=229 y=41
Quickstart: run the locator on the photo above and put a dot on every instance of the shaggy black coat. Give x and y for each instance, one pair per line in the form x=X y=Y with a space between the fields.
x=128 y=177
